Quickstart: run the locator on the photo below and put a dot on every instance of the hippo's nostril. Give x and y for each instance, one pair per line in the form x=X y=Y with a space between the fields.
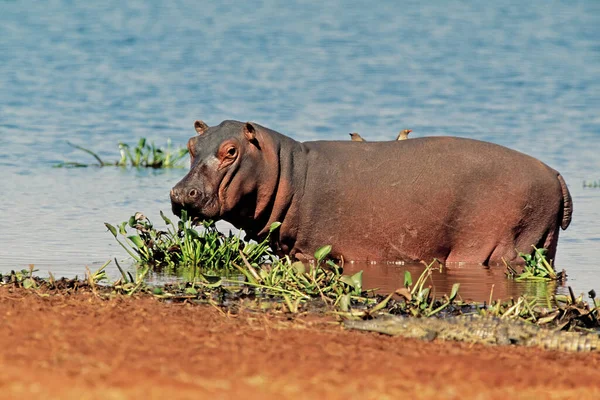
x=193 y=193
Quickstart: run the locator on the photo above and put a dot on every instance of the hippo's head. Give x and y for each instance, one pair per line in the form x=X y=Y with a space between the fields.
x=225 y=171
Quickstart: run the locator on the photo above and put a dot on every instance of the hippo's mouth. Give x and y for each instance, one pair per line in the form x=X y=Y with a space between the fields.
x=207 y=209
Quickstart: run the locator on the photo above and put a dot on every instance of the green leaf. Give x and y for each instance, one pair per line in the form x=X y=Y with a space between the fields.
x=122 y=229
x=345 y=302
x=192 y=233
x=299 y=267
x=407 y=279
x=164 y=217
x=111 y=228
x=382 y=304
x=132 y=221
x=191 y=291
x=28 y=283
x=357 y=280
x=274 y=226
x=139 y=243
x=214 y=282
x=322 y=252
x=157 y=291
x=454 y=291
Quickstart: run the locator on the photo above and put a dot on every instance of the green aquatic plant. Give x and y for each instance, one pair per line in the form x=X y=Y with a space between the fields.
x=535 y=268
x=145 y=154
x=296 y=281
x=420 y=300
x=207 y=258
x=22 y=278
x=591 y=184
x=183 y=247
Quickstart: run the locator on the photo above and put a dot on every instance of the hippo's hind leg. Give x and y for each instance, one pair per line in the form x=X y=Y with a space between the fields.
x=524 y=243
x=480 y=253
x=551 y=243
x=503 y=252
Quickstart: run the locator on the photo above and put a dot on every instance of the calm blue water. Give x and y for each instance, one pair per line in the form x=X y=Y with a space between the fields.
x=522 y=74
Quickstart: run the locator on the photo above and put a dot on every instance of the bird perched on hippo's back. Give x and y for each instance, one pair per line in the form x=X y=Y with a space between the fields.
x=403 y=135
x=355 y=137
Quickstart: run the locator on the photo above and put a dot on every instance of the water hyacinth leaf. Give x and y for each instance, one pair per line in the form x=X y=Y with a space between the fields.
x=211 y=278
x=322 y=252
x=157 y=291
x=357 y=280
x=191 y=291
x=347 y=280
x=407 y=279
x=454 y=291
x=131 y=221
x=137 y=241
x=274 y=226
x=164 y=217
x=299 y=267
x=122 y=229
x=111 y=228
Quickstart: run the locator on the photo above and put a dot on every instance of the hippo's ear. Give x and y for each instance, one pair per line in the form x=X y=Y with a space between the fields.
x=200 y=127
x=250 y=132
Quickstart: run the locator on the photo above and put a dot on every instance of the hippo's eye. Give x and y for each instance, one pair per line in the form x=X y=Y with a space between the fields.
x=231 y=152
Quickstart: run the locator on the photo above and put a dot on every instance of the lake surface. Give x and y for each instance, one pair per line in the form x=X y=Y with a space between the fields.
x=521 y=74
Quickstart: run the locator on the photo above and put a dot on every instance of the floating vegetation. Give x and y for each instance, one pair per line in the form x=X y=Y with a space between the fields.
x=536 y=268
x=209 y=259
x=591 y=184
x=420 y=300
x=145 y=154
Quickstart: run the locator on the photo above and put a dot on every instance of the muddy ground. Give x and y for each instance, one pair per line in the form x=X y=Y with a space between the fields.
x=79 y=346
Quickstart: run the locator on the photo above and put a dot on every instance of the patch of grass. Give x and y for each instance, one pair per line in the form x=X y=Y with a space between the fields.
x=536 y=268
x=591 y=184
x=145 y=154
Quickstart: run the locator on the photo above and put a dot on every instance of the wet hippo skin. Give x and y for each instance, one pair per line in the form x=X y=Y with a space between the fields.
x=448 y=198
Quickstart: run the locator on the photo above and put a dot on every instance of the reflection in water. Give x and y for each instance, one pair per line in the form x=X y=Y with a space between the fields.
x=476 y=282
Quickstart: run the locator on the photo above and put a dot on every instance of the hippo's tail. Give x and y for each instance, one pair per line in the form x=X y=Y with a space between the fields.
x=567 y=209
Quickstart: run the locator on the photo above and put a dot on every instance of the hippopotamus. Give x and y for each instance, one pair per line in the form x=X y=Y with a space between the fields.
x=446 y=198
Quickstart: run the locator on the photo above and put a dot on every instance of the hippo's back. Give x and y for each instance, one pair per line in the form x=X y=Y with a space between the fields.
x=442 y=197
